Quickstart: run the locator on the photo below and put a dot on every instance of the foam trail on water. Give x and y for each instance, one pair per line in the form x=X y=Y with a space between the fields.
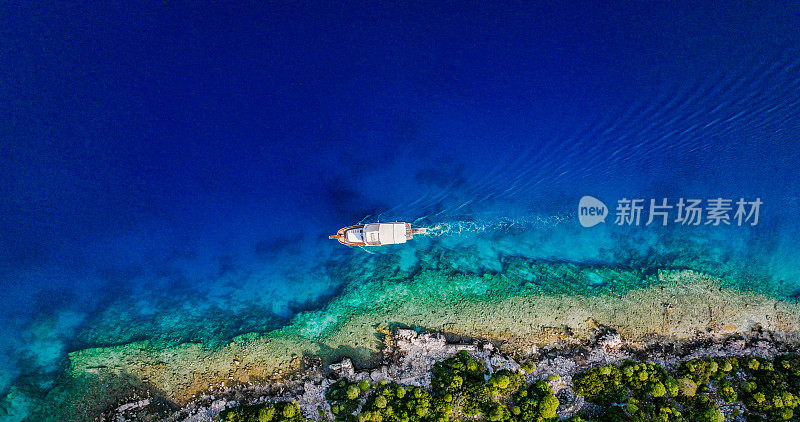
x=463 y=227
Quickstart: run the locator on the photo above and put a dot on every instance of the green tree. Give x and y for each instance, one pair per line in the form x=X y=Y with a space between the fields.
x=548 y=406
x=658 y=390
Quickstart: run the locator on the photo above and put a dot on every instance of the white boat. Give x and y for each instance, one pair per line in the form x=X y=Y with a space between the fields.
x=377 y=234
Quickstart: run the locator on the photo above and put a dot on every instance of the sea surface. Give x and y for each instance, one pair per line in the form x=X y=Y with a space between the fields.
x=172 y=171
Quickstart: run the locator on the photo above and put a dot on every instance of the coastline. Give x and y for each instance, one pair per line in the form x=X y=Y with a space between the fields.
x=409 y=356
x=675 y=306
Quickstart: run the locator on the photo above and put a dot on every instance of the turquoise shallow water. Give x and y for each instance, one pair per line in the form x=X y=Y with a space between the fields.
x=177 y=181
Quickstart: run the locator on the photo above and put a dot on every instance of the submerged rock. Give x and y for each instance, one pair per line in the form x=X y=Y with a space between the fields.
x=526 y=325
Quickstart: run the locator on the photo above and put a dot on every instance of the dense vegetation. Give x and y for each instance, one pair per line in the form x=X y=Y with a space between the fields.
x=266 y=412
x=751 y=389
x=754 y=388
x=461 y=388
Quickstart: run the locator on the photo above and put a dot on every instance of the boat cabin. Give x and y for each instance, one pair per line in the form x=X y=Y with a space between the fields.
x=376 y=234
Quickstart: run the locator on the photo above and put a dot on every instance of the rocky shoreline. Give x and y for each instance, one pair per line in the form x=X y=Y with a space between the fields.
x=492 y=316
x=408 y=357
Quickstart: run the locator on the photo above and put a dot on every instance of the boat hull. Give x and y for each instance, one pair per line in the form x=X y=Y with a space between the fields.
x=376 y=234
x=341 y=236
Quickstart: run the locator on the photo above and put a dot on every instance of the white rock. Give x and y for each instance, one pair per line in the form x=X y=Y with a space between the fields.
x=611 y=341
x=343 y=369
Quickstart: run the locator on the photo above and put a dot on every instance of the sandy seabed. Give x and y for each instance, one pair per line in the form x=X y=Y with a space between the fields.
x=674 y=305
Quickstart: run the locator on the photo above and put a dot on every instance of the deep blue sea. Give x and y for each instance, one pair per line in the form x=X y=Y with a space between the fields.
x=193 y=157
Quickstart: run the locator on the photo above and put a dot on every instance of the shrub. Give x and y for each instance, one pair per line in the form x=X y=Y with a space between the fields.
x=789 y=399
x=712 y=415
x=658 y=390
x=601 y=389
x=790 y=365
x=499 y=381
x=548 y=406
x=289 y=412
x=701 y=371
x=266 y=412
x=456 y=373
x=498 y=413
x=505 y=382
x=705 y=410
x=687 y=387
x=728 y=394
x=343 y=397
x=540 y=388
x=529 y=367
x=391 y=403
x=672 y=386
x=640 y=378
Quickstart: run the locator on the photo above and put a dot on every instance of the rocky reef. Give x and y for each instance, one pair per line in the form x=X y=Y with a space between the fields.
x=428 y=376
x=548 y=314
